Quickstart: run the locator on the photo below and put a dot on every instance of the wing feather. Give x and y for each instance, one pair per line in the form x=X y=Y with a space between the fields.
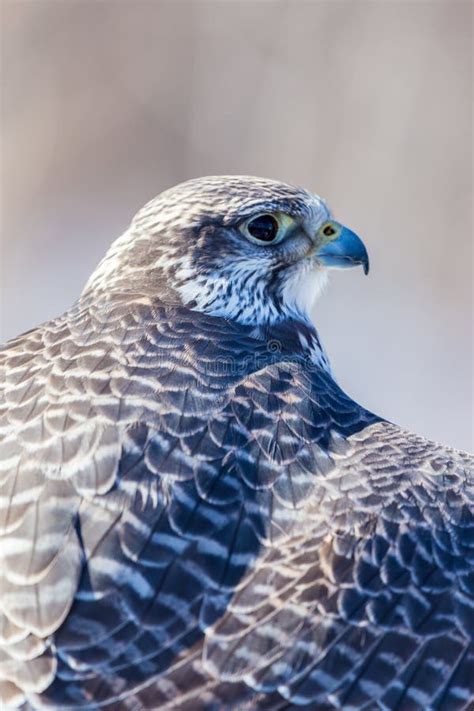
x=177 y=533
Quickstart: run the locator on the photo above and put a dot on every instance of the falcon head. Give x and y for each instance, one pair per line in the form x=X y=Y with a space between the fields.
x=244 y=248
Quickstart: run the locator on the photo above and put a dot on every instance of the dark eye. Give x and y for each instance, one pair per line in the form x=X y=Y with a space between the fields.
x=264 y=228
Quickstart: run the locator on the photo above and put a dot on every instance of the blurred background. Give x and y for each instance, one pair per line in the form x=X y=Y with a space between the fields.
x=369 y=103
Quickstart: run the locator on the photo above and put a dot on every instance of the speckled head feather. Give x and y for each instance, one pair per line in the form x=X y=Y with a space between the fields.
x=187 y=245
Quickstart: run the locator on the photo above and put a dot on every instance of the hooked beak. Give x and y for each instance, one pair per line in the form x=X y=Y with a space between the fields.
x=340 y=247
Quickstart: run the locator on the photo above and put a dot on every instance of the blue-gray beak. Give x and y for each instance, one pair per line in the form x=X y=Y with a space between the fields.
x=341 y=248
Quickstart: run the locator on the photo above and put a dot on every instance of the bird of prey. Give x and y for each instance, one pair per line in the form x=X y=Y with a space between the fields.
x=193 y=514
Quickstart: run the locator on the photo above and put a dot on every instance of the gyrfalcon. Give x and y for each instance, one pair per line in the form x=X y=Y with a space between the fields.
x=193 y=514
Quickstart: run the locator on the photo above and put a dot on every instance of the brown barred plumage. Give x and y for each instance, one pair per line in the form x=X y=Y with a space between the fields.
x=193 y=515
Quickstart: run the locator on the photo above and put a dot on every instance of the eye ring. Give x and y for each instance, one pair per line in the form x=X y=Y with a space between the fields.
x=266 y=228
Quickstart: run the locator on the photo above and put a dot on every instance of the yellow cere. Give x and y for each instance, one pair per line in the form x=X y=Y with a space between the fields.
x=330 y=231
